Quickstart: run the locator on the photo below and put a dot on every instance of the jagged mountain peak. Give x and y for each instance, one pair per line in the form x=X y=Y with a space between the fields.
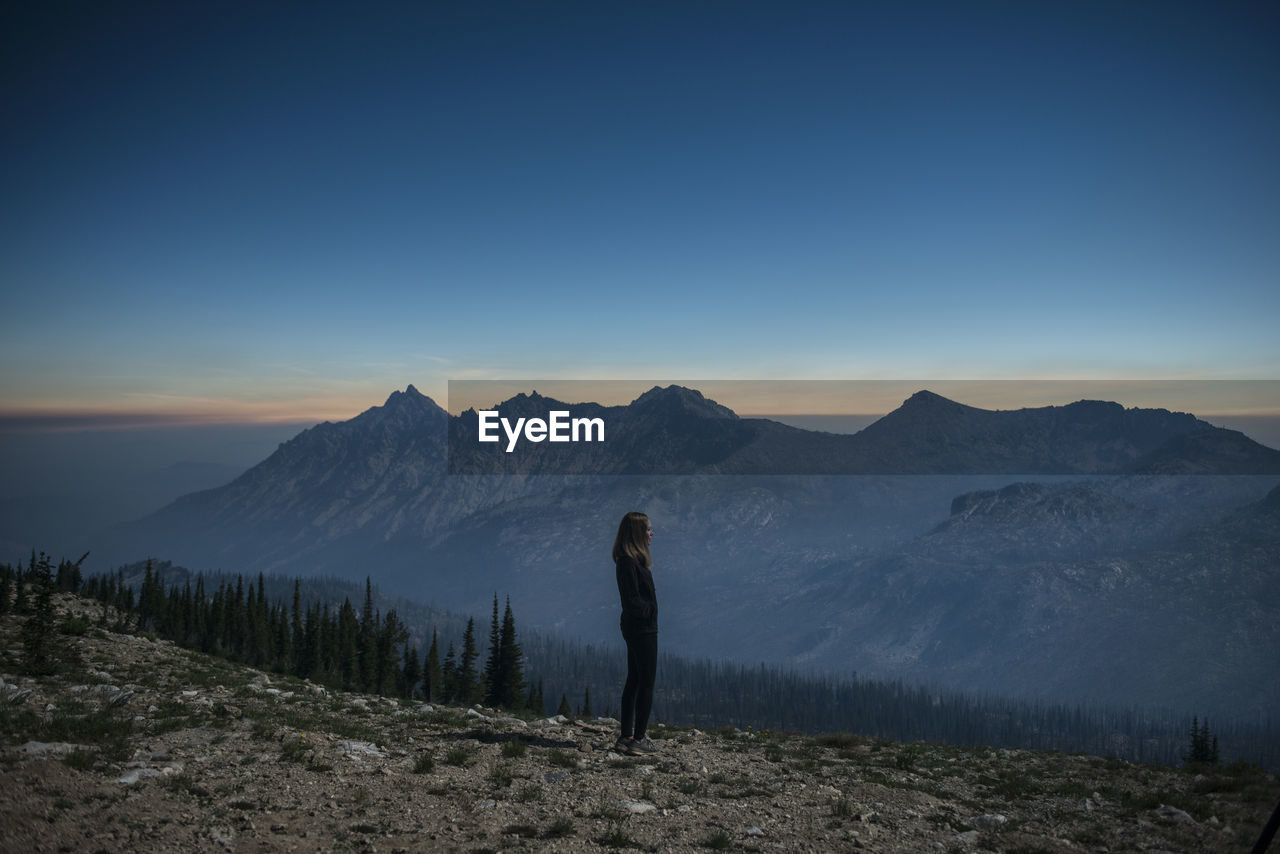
x=409 y=397
x=925 y=398
x=677 y=398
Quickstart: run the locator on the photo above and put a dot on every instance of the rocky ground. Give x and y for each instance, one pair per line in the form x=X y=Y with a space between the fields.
x=144 y=746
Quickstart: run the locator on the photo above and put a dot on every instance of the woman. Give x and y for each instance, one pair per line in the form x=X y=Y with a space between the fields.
x=639 y=630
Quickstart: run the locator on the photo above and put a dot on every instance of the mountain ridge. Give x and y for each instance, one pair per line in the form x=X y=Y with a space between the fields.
x=373 y=495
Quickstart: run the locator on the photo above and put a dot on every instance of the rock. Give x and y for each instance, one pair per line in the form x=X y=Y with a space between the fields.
x=131 y=777
x=638 y=807
x=16 y=696
x=556 y=776
x=990 y=821
x=44 y=748
x=1173 y=815
x=355 y=749
x=753 y=831
x=472 y=713
x=969 y=837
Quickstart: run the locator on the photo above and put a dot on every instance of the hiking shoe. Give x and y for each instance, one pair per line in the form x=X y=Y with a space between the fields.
x=642 y=745
x=623 y=745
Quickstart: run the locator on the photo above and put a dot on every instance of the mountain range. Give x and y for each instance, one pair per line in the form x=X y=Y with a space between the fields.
x=1078 y=551
x=675 y=430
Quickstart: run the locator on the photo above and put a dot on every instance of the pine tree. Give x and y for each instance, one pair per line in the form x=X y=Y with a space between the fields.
x=469 y=687
x=1204 y=746
x=510 y=671
x=348 y=657
x=449 y=692
x=493 y=665
x=586 y=703
x=366 y=642
x=391 y=634
x=433 y=689
x=563 y=708
x=20 y=596
x=410 y=672
x=38 y=639
x=297 y=630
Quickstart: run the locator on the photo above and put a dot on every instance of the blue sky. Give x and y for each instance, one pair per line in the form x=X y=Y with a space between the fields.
x=285 y=211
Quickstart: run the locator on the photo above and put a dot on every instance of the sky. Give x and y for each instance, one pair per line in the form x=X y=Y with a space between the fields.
x=283 y=211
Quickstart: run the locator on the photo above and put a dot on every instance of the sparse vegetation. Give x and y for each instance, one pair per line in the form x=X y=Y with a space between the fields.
x=192 y=763
x=559 y=828
x=459 y=756
x=558 y=757
x=717 y=840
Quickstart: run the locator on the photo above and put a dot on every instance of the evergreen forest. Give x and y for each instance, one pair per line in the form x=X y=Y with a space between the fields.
x=311 y=629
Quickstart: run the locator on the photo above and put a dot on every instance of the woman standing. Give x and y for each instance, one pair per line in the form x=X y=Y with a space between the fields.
x=639 y=630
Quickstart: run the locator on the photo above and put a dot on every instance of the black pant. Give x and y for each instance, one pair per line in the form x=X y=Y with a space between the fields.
x=637 y=695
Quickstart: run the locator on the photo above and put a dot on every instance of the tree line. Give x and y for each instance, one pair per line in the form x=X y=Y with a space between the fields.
x=368 y=650
x=340 y=647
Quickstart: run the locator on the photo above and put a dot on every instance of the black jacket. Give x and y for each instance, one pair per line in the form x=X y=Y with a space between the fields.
x=639 y=602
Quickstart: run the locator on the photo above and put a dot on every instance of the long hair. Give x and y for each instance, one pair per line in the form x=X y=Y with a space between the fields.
x=631 y=540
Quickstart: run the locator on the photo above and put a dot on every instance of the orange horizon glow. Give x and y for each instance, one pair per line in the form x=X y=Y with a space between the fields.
x=751 y=398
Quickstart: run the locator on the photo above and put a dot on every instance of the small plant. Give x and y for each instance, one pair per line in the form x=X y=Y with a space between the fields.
x=906 y=757
x=75 y=626
x=294 y=750
x=717 y=841
x=529 y=794
x=560 y=758
x=424 y=763
x=80 y=759
x=558 y=829
x=459 y=756
x=500 y=776
x=842 y=808
x=446 y=717
x=514 y=748
x=617 y=838
x=689 y=786
x=837 y=739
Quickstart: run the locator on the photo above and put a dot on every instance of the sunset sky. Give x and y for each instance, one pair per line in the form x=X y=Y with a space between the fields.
x=279 y=211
